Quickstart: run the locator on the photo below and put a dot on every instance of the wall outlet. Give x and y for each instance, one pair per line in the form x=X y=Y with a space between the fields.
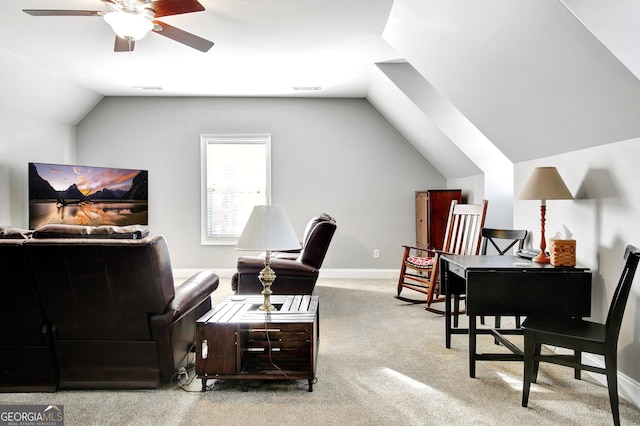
x=182 y=373
x=376 y=254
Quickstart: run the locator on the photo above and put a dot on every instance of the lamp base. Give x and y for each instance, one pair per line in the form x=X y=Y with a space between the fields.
x=541 y=258
x=266 y=304
x=267 y=277
x=267 y=308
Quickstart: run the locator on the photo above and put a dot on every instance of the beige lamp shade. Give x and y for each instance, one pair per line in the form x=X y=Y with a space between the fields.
x=545 y=183
x=268 y=229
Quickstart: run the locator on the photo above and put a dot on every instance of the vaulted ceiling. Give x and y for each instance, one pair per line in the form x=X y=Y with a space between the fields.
x=460 y=79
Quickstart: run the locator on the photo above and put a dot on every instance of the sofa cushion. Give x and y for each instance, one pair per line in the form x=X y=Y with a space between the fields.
x=12 y=233
x=94 y=232
x=62 y=231
x=134 y=232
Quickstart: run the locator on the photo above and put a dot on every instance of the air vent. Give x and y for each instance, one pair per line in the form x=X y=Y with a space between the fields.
x=148 y=87
x=307 y=88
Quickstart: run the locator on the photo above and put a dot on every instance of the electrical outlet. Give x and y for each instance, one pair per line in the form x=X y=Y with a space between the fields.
x=182 y=373
x=376 y=254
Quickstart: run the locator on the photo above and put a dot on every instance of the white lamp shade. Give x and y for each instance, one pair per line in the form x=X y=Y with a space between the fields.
x=128 y=26
x=545 y=183
x=268 y=229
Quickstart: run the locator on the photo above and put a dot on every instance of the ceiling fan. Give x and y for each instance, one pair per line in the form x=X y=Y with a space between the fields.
x=131 y=20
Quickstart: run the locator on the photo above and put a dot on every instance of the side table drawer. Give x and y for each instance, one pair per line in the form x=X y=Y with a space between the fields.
x=216 y=349
x=289 y=346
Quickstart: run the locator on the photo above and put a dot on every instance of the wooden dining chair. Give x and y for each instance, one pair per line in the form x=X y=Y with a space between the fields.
x=502 y=240
x=581 y=336
x=419 y=269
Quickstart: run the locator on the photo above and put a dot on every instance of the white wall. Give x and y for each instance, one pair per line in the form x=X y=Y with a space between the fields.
x=604 y=218
x=27 y=138
x=338 y=156
x=472 y=190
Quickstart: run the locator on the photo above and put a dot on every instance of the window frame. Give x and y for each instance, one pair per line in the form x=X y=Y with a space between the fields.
x=234 y=139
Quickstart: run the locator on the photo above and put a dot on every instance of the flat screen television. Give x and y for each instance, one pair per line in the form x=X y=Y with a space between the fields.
x=87 y=195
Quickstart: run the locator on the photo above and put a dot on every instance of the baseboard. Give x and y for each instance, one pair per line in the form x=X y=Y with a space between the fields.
x=360 y=273
x=628 y=388
x=324 y=273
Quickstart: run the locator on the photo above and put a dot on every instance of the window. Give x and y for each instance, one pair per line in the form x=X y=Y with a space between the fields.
x=236 y=176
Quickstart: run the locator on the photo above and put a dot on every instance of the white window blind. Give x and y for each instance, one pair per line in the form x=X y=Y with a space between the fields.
x=236 y=177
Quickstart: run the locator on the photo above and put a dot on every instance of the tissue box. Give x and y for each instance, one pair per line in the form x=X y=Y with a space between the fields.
x=563 y=252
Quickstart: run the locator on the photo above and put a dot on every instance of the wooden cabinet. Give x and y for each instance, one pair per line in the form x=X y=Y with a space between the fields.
x=432 y=211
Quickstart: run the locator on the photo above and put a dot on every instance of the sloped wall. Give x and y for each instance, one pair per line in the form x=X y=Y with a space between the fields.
x=27 y=138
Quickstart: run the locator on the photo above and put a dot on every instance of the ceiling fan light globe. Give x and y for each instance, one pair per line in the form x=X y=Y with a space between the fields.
x=128 y=26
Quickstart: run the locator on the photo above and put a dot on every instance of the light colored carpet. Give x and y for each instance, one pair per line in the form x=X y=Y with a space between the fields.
x=381 y=361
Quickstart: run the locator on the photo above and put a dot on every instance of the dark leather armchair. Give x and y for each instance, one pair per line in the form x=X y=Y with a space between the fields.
x=117 y=319
x=297 y=271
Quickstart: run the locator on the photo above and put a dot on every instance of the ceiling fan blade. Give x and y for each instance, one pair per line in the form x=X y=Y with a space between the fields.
x=123 y=45
x=175 y=7
x=42 y=12
x=182 y=36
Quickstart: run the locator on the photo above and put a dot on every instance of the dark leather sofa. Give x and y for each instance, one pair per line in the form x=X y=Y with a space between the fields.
x=96 y=310
x=26 y=357
x=296 y=272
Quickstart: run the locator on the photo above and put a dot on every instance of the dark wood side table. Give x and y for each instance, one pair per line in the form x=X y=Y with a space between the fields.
x=506 y=286
x=236 y=341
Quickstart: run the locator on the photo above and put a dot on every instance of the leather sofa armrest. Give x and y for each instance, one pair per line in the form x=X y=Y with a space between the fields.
x=192 y=292
x=253 y=265
x=174 y=330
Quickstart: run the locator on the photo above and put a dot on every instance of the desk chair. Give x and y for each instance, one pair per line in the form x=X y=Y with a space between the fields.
x=502 y=240
x=581 y=336
x=419 y=269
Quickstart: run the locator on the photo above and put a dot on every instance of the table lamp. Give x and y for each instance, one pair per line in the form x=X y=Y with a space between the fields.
x=544 y=184
x=268 y=229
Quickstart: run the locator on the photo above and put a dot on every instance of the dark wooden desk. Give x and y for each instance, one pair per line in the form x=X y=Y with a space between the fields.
x=509 y=286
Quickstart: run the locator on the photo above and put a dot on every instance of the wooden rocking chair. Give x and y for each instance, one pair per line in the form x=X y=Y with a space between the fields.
x=419 y=269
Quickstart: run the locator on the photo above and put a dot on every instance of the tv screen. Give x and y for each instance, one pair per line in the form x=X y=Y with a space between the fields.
x=87 y=195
